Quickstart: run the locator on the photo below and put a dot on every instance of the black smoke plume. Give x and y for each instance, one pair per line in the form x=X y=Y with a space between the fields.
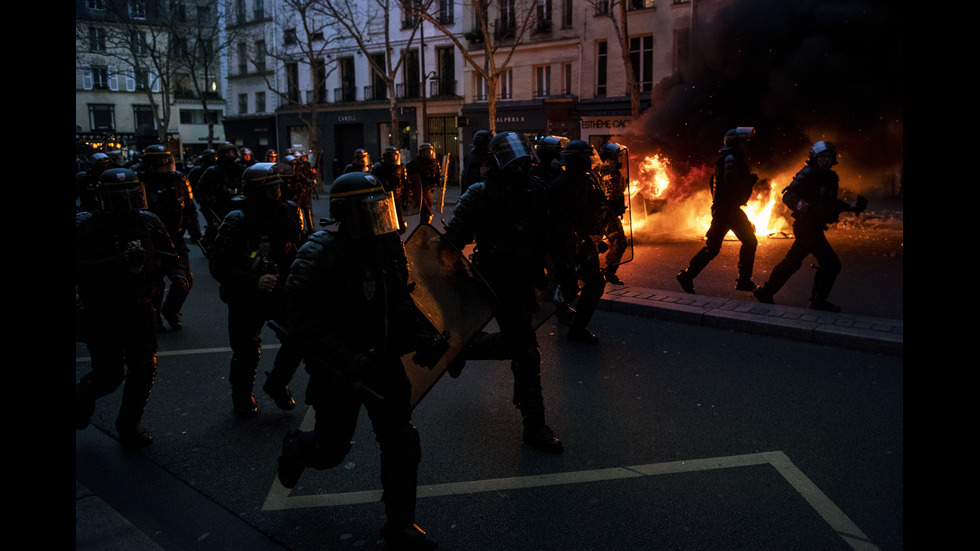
x=799 y=71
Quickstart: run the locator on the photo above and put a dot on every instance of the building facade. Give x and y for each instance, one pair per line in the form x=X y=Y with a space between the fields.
x=126 y=80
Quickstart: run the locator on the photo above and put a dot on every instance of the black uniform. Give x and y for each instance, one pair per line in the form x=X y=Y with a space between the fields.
x=504 y=215
x=121 y=260
x=581 y=212
x=429 y=172
x=169 y=196
x=218 y=185
x=256 y=239
x=352 y=313
x=732 y=188
x=393 y=178
x=812 y=196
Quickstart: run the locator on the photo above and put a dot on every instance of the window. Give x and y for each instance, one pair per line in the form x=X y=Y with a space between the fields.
x=96 y=39
x=542 y=15
x=139 y=46
x=143 y=117
x=348 y=82
x=95 y=4
x=542 y=81
x=446 y=60
x=566 y=79
x=260 y=102
x=641 y=56
x=506 y=21
x=411 y=74
x=321 y=81
x=482 y=88
x=100 y=78
x=602 y=7
x=101 y=116
x=602 y=58
x=639 y=4
x=260 y=9
x=446 y=15
x=506 y=84
x=292 y=82
x=142 y=79
x=289 y=37
x=242 y=104
x=242 y=59
x=138 y=9
x=378 y=88
x=240 y=10
x=567 y=12
x=682 y=43
x=260 y=56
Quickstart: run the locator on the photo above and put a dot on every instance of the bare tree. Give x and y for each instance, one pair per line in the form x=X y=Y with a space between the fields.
x=139 y=38
x=610 y=9
x=200 y=41
x=306 y=36
x=499 y=37
x=360 y=21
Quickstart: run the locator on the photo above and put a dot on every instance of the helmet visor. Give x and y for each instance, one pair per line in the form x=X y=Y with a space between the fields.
x=506 y=148
x=123 y=198
x=369 y=214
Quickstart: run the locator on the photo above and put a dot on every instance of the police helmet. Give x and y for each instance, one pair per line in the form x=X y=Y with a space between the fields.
x=821 y=147
x=481 y=139
x=391 y=156
x=156 y=156
x=260 y=176
x=100 y=163
x=738 y=136
x=362 y=207
x=120 y=190
x=580 y=155
x=427 y=152
x=271 y=155
x=549 y=148
x=508 y=148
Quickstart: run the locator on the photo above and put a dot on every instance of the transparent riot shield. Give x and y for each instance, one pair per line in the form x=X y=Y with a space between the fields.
x=411 y=195
x=618 y=223
x=455 y=299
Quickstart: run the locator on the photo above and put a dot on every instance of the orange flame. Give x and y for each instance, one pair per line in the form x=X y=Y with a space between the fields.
x=658 y=208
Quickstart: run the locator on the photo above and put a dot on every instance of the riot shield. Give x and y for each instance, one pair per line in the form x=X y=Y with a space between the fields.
x=618 y=227
x=454 y=298
x=441 y=190
x=411 y=195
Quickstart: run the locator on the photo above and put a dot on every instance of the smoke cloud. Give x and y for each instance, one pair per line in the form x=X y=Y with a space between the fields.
x=799 y=71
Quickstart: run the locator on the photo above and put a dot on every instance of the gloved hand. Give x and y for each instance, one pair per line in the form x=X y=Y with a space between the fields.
x=802 y=206
x=432 y=349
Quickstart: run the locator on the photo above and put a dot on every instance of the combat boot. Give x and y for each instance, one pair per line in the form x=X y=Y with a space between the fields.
x=411 y=538
x=134 y=437
x=745 y=284
x=582 y=335
x=763 y=295
x=279 y=393
x=823 y=305
x=686 y=281
x=542 y=438
x=244 y=404
x=290 y=464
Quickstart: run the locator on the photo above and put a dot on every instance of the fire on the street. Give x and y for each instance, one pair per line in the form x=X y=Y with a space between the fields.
x=665 y=204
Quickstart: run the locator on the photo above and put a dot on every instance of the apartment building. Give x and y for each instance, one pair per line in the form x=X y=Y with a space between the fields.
x=566 y=74
x=121 y=91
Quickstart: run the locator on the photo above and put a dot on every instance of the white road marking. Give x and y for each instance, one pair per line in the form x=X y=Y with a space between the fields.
x=279 y=498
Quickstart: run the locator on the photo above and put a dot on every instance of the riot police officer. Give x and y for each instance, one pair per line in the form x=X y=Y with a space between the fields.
x=169 y=197
x=426 y=168
x=391 y=172
x=246 y=157
x=731 y=189
x=812 y=196
x=352 y=313
x=219 y=184
x=581 y=202
x=87 y=181
x=504 y=215
x=361 y=162
x=477 y=161
x=250 y=260
x=614 y=156
x=122 y=254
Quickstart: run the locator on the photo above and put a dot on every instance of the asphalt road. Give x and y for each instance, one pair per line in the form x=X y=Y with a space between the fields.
x=677 y=437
